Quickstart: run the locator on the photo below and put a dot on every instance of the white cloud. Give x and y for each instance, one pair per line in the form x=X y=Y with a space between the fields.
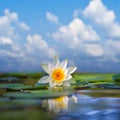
x=11 y=50
x=19 y=54
x=94 y=49
x=5 y=40
x=11 y=16
x=52 y=18
x=23 y=26
x=33 y=52
x=35 y=44
x=9 y=23
x=10 y=26
x=112 y=48
x=99 y=13
x=103 y=17
x=12 y=54
x=76 y=33
x=79 y=40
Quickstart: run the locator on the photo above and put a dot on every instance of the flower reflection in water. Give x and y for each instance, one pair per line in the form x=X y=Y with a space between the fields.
x=58 y=104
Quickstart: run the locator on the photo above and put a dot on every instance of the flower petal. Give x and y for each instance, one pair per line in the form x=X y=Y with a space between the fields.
x=45 y=68
x=50 y=67
x=60 y=83
x=68 y=77
x=66 y=83
x=56 y=61
x=52 y=83
x=44 y=79
x=71 y=70
x=66 y=71
x=63 y=64
x=75 y=99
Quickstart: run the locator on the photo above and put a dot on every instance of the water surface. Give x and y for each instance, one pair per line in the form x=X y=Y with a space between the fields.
x=81 y=105
x=89 y=105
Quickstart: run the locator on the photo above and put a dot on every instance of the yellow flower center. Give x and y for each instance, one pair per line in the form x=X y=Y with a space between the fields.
x=58 y=74
x=61 y=102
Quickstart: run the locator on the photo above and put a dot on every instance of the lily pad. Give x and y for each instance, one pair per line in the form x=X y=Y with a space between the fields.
x=99 y=79
x=2 y=91
x=116 y=77
x=21 y=87
x=112 y=86
x=10 y=85
x=15 y=86
x=100 y=93
x=37 y=94
x=7 y=103
x=94 y=80
x=10 y=80
x=26 y=114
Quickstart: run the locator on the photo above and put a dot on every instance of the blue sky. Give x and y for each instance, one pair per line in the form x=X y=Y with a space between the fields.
x=86 y=32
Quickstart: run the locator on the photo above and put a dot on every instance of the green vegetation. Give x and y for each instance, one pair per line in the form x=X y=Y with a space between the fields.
x=21 y=97
x=26 y=114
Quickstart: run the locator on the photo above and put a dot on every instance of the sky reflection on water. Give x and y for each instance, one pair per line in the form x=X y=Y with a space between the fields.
x=85 y=107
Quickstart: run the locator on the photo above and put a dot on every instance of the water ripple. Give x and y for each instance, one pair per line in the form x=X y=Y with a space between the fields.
x=91 y=108
x=93 y=115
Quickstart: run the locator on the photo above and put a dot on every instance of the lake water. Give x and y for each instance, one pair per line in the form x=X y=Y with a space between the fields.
x=87 y=105
x=82 y=105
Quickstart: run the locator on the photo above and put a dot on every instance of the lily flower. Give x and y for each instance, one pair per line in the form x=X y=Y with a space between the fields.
x=58 y=73
x=58 y=104
x=62 y=103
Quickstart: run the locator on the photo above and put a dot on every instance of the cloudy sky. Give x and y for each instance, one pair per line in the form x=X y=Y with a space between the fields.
x=86 y=32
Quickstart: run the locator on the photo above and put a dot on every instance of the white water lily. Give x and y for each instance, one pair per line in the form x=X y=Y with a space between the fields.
x=58 y=104
x=58 y=73
x=61 y=103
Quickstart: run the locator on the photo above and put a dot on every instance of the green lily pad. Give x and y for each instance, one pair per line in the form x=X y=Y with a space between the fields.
x=100 y=93
x=9 y=79
x=7 y=103
x=93 y=77
x=37 y=94
x=112 y=86
x=116 y=77
x=2 y=91
x=15 y=86
x=11 y=85
x=99 y=79
x=94 y=80
x=21 y=87
x=26 y=114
